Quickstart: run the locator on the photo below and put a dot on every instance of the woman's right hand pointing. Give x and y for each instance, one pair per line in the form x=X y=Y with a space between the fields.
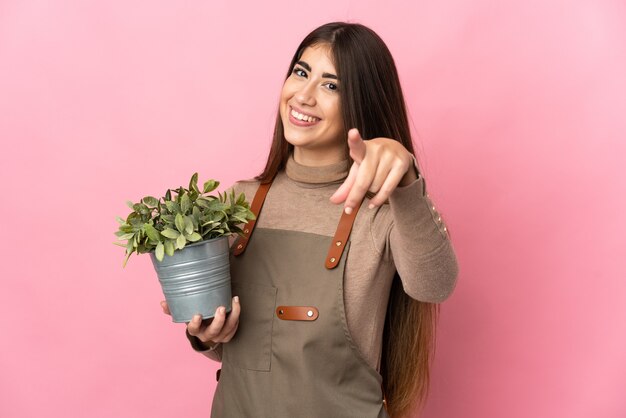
x=219 y=329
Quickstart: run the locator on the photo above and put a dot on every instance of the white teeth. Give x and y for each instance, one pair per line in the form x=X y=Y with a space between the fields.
x=300 y=116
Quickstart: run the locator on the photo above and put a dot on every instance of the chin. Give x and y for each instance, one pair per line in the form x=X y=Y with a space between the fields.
x=296 y=136
x=296 y=140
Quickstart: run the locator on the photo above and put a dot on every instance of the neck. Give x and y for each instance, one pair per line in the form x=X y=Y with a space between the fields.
x=321 y=174
x=317 y=158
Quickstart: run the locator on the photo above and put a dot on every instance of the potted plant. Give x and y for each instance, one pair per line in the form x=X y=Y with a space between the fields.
x=186 y=233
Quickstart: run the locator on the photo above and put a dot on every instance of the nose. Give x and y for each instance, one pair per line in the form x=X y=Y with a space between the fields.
x=306 y=95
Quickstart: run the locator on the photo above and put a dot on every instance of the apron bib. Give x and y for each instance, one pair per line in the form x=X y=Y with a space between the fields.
x=292 y=355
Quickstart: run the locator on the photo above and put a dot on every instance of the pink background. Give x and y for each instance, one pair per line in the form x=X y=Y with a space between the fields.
x=519 y=114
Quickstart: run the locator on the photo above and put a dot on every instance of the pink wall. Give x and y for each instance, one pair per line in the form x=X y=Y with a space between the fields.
x=519 y=110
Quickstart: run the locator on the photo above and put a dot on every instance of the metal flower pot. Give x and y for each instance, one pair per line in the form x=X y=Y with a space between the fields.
x=196 y=279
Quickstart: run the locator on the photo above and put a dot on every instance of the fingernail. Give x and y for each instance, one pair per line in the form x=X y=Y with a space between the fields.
x=371 y=206
x=222 y=309
x=236 y=299
x=197 y=317
x=348 y=210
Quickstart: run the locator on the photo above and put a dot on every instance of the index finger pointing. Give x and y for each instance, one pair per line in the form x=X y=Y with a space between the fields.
x=356 y=145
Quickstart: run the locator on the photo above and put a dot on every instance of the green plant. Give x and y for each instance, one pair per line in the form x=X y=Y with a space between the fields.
x=180 y=217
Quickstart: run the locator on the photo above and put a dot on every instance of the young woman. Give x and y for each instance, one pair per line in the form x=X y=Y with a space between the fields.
x=337 y=283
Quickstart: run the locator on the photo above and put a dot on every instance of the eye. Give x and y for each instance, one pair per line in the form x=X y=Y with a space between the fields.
x=332 y=86
x=299 y=72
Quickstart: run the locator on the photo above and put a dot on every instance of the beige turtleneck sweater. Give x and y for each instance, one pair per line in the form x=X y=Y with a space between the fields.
x=408 y=234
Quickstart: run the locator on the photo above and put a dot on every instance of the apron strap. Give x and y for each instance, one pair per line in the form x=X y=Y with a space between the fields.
x=341 y=237
x=257 y=203
x=337 y=245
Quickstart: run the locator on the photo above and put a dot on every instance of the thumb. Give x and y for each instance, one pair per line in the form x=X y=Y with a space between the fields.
x=165 y=307
x=356 y=145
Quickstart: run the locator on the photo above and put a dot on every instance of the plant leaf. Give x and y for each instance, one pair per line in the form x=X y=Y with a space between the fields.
x=203 y=202
x=180 y=242
x=193 y=183
x=122 y=235
x=188 y=225
x=126 y=228
x=240 y=218
x=171 y=206
x=179 y=222
x=211 y=204
x=170 y=233
x=185 y=203
x=150 y=201
x=130 y=245
x=169 y=247
x=130 y=204
x=210 y=185
x=152 y=233
x=193 y=237
x=196 y=215
x=126 y=259
x=159 y=251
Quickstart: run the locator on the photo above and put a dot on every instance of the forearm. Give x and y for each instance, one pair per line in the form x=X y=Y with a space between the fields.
x=420 y=244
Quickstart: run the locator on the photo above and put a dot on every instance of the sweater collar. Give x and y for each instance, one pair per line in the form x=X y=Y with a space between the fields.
x=331 y=173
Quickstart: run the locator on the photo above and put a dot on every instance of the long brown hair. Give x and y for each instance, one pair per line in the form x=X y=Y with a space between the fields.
x=372 y=101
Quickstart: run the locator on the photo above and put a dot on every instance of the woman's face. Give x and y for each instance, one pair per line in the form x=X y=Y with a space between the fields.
x=311 y=111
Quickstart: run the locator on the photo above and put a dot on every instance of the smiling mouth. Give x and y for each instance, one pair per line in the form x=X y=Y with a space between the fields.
x=302 y=117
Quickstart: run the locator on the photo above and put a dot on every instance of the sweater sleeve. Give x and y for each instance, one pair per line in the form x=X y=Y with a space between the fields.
x=420 y=244
x=214 y=352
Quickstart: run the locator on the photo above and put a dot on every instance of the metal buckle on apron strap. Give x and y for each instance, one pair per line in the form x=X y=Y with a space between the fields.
x=297 y=313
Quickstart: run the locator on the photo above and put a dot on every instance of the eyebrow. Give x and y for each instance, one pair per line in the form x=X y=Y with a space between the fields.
x=308 y=68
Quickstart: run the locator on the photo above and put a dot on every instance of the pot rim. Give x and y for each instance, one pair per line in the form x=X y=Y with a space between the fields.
x=195 y=244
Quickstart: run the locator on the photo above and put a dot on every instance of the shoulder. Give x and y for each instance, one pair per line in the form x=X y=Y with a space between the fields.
x=247 y=187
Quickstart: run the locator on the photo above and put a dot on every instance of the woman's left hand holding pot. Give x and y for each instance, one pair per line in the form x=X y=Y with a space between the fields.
x=219 y=329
